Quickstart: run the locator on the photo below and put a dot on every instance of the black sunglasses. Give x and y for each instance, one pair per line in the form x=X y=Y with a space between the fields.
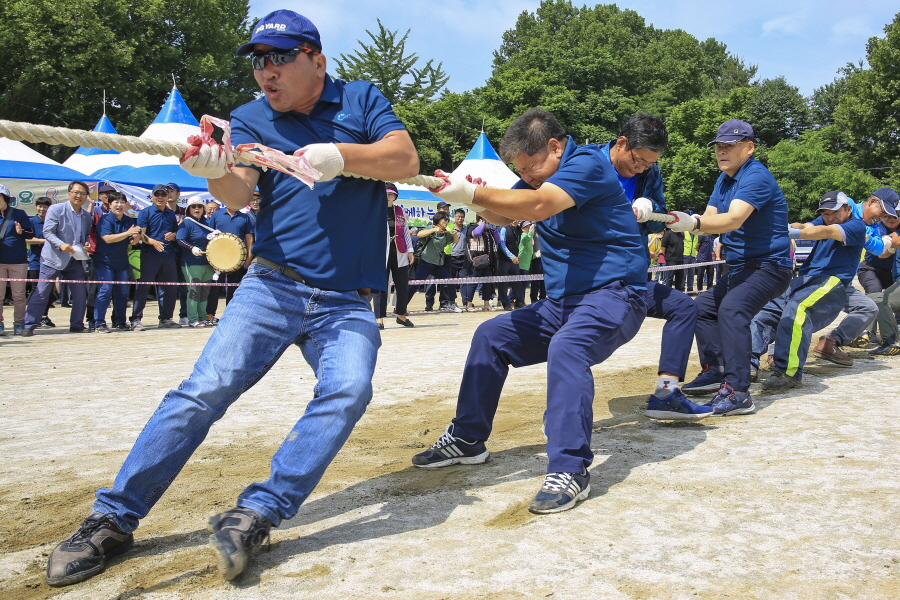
x=258 y=59
x=160 y=194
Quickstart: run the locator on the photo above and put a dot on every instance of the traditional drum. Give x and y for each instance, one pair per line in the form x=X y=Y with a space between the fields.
x=226 y=252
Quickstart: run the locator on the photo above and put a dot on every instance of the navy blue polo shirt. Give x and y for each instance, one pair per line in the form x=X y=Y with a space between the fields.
x=115 y=255
x=13 y=249
x=34 y=250
x=195 y=235
x=157 y=223
x=629 y=184
x=764 y=235
x=325 y=233
x=239 y=223
x=831 y=257
x=596 y=242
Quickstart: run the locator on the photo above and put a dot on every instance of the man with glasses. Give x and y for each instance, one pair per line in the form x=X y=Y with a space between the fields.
x=634 y=155
x=749 y=210
x=67 y=230
x=317 y=255
x=159 y=225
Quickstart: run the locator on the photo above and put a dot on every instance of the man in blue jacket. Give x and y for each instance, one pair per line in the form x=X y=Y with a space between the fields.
x=633 y=155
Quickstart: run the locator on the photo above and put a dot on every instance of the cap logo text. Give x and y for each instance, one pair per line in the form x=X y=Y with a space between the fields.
x=275 y=26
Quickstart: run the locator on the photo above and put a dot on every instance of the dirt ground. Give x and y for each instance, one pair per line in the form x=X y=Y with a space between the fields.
x=796 y=502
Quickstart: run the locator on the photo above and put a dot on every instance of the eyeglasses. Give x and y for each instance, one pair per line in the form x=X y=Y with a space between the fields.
x=258 y=59
x=640 y=163
x=74 y=193
x=161 y=194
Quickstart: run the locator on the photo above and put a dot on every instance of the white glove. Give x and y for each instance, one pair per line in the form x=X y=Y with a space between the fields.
x=888 y=243
x=682 y=222
x=205 y=159
x=456 y=190
x=196 y=251
x=643 y=208
x=324 y=158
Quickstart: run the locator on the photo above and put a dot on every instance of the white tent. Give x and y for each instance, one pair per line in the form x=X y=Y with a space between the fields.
x=29 y=174
x=174 y=123
x=89 y=160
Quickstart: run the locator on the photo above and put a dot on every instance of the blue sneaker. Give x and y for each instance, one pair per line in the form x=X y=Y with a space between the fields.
x=708 y=381
x=561 y=491
x=726 y=403
x=449 y=450
x=676 y=408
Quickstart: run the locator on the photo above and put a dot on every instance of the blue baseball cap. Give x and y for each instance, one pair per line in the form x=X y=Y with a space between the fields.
x=889 y=200
x=733 y=130
x=282 y=29
x=173 y=187
x=832 y=200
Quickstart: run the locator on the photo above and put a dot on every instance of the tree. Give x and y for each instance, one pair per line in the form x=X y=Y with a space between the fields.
x=61 y=54
x=824 y=101
x=777 y=111
x=868 y=114
x=386 y=64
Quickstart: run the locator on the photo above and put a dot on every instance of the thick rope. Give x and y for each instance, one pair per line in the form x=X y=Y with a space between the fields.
x=28 y=132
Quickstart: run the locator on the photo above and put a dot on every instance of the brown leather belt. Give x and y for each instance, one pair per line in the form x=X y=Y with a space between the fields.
x=291 y=273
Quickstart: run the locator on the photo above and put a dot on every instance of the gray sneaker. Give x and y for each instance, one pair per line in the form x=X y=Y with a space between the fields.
x=236 y=535
x=84 y=553
x=453 y=307
x=168 y=324
x=136 y=325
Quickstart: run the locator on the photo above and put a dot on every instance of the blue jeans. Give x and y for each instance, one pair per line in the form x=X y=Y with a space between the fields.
x=118 y=293
x=571 y=335
x=337 y=334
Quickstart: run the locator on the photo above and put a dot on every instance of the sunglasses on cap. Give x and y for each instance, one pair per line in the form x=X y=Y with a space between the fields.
x=258 y=59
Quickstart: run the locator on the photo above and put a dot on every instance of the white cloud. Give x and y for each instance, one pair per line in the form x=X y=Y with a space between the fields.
x=788 y=24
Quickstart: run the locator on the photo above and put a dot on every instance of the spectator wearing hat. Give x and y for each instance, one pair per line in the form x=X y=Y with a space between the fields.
x=399 y=255
x=435 y=239
x=180 y=212
x=815 y=297
x=101 y=207
x=193 y=238
x=238 y=223
x=35 y=245
x=115 y=233
x=15 y=228
x=447 y=292
x=67 y=228
x=747 y=207
x=159 y=225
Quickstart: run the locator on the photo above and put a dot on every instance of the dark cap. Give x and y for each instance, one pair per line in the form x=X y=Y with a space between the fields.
x=442 y=203
x=173 y=187
x=160 y=188
x=390 y=188
x=105 y=188
x=889 y=200
x=832 y=201
x=283 y=29
x=733 y=130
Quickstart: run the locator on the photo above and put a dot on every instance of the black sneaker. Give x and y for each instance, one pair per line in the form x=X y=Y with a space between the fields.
x=561 y=491
x=121 y=327
x=84 y=553
x=77 y=329
x=406 y=323
x=102 y=328
x=236 y=535
x=449 y=450
x=46 y=322
x=887 y=348
x=429 y=308
x=779 y=382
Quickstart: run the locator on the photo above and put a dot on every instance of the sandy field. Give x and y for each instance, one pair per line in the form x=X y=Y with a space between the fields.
x=798 y=501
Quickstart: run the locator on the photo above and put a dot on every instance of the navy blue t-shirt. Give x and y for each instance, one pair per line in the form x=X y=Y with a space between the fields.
x=13 y=249
x=157 y=224
x=596 y=242
x=831 y=257
x=34 y=250
x=195 y=235
x=326 y=233
x=115 y=255
x=764 y=235
x=239 y=224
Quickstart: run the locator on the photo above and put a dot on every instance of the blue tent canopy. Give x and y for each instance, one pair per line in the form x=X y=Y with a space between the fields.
x=150 y=176
x=104 y=125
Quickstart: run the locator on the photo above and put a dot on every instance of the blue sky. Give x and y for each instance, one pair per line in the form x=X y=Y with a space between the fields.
x=805 y=41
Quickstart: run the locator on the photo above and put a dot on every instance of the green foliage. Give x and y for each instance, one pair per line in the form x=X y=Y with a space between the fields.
x=807 y=168
x=868 y=114
x=777 y=111
x=386 y=64
x=825 y=100
x=60 y=55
